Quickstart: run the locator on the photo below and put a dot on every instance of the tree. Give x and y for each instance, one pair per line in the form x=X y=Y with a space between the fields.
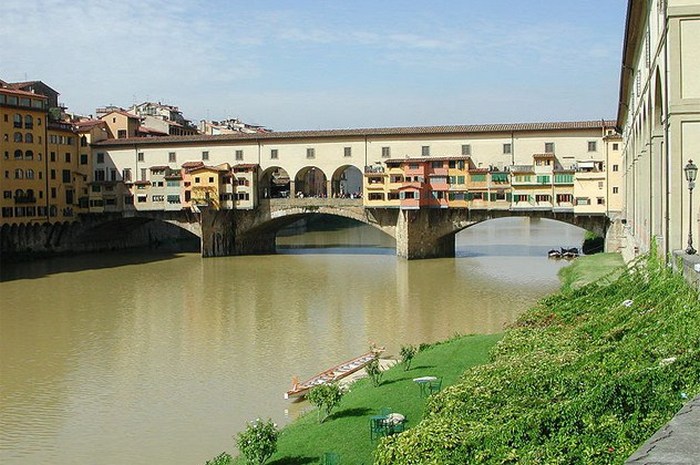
x=326 y=397
x=258 y=442
x=407 y=354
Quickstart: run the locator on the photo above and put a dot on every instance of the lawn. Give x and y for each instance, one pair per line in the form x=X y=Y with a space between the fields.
x=592 y=268
x=346 y=431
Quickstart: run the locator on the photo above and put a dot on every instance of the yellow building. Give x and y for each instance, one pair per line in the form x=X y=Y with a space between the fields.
x=121 y=125
x=23 y=165
x=209 y=184
x=67 y=173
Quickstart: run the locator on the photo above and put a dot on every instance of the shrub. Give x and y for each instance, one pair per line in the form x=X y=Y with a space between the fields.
x=221 y=459
x=374 y=371
x=258 y=442
x=407 y=354
x=326 y=397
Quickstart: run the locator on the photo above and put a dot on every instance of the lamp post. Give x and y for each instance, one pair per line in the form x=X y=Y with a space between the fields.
x=691 y=173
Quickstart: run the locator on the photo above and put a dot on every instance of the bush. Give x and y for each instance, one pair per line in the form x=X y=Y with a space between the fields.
x=258 y=442
x=326 y=397
x=407 y=354
x=221 y=459
x=374 y=371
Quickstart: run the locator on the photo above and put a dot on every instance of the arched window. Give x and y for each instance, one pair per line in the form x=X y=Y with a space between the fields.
x=18 y=137
x=29 y=155
x=30 y=174
x=18 y=154
x=29 y=138
x=17 y=120
x=30 y=193
x=19 y=174
x=83 y=141
x=19 y=193
x=28 y=122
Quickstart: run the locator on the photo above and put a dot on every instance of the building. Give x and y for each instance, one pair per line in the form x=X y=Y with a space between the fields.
x=228 y=126
x=659 y=116
x=121 y=124
x=161 y=119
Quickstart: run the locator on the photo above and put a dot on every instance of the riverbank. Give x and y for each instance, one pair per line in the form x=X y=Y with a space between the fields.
x=586 y=376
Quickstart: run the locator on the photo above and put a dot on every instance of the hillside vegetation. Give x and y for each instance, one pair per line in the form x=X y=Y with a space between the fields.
x=586 y=376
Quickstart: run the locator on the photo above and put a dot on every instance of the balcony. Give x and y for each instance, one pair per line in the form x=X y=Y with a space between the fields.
x=25 y=199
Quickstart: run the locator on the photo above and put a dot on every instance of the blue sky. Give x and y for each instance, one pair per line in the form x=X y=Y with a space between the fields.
x=325 y=64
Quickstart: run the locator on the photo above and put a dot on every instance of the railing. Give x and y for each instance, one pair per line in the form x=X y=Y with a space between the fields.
x=312 y=202
x=25 y=199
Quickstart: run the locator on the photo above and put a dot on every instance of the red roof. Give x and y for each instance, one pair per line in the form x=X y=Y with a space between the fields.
x=123 y=113
x=192 y=164
x=8 y=90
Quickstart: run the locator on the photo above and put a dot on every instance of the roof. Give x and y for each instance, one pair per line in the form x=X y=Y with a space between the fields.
x=142 y=183
x=89 y=124
x=364 y=132
x=245 y=166
x=22 y=85
x=420 y=159
x=123 y=113
x=543 y=155
x=159 y=168
x=147 y=130
x=192 y=164
x=8 y=90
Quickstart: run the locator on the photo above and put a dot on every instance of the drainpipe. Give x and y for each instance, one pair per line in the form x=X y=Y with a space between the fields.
x=512 y=148
x=667 y=153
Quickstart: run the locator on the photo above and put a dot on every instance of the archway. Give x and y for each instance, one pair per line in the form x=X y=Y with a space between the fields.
x=310 y=181
x=274 y=183
x=346 y=182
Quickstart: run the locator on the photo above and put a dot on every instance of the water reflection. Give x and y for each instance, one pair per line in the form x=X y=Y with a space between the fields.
x=162 y=361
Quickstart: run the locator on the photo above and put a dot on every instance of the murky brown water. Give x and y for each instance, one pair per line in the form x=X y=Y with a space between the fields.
x=143 y=359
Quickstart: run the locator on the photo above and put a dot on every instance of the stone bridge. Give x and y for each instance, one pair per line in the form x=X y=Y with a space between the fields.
x=424 y=233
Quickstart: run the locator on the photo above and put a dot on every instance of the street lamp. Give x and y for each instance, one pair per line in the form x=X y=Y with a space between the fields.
x=691 y=173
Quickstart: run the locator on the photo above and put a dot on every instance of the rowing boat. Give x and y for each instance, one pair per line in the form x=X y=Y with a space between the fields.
x=338 y=372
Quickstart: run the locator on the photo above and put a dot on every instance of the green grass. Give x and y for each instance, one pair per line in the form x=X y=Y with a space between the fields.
x=585 y=377
x=591 y=268
x=346 y=431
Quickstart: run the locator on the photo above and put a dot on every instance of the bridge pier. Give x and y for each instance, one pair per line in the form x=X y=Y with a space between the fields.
x=419 y=234
x=218 y=232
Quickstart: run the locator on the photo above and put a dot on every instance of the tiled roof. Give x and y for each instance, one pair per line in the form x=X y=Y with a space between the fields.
x=8 y=90
x=543 y=155
x=420 y=159
x=159 y=167
x=362 y=132
x=123 y=113
x=89 y=124
x=246 y=166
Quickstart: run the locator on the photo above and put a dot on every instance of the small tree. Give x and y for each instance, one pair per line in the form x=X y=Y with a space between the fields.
x=326 y=397
x=374 y=371
x=221 y=459
x=258 y=442
x=407 y=354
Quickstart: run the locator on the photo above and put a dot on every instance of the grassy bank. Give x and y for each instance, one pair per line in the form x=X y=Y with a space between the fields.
x=584 y=377
x=599 y=268
x=346 y=431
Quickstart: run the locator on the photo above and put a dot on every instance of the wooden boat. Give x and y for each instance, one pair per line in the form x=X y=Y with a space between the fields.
x=554 y=253
x=338 y=372
x=569 y=253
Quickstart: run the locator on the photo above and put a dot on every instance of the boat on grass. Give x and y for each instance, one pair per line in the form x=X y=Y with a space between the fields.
x=338 y=372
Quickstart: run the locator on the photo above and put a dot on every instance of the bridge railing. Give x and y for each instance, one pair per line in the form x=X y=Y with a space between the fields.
x=313 y=202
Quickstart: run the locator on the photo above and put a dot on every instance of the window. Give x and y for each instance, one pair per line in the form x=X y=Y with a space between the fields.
x=205 y=155
x=30 y=174
x=18 y=137
x=196 y=179
x=615 y=190
x=211 y=180
x=143 y=174
x=173 y=199
x=19 y=174
x=18 y=154
x=425 y=150
x=7 y=212
x=583 y=201
x=600 y=201
x=52 y=156
x=543 y=198
x=549 y=147
x=592 y=146
x=29 y=138
x=83 y=159
x=347 y=152
x=563 y=178
x=436 y=164
x=460 y=179
x=172 y=158
x=141 y=198
x=507 y=148
x=616 y=147
x=126 y=174
x=17 y=119
x=67 y=157
x=140 y=156
x=543 y=179
x=100 y=157
x=600 y=184
x=66 y=175
x=478 y=177
x=466 y=149
x=564 y=198
x=7 y=155
x=239 y=154
x=83 y=141
x=274 y=154
x=310 y=153
x=53 y=174
x=158 y=198
x=121 y=134
x=616 y=167
x=386 y=152
x=6 y=194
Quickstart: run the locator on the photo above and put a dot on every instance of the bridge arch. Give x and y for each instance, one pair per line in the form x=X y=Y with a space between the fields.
x=346 y=181
x=311 y=181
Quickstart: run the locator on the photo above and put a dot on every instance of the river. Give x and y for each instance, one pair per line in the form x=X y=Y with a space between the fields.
x=154 y=358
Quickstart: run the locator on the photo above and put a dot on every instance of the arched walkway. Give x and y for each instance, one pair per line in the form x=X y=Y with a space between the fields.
x=274 y=183
x=310 y=181
x=346 y=182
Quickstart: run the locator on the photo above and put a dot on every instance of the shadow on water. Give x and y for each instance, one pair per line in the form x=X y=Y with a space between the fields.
x=12 y=271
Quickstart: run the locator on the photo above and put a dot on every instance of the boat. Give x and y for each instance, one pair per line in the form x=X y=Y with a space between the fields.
x=554 y=253
x=338 y=372
x=569 y=253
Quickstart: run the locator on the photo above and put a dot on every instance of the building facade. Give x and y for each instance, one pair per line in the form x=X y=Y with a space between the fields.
x=659 y=116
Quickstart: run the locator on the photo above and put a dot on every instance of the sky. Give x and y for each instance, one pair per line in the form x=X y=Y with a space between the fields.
x=305 y=64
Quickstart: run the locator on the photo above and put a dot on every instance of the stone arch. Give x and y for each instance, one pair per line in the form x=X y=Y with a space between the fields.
x=346 y=181
x=274 y=182
x=311 y=181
